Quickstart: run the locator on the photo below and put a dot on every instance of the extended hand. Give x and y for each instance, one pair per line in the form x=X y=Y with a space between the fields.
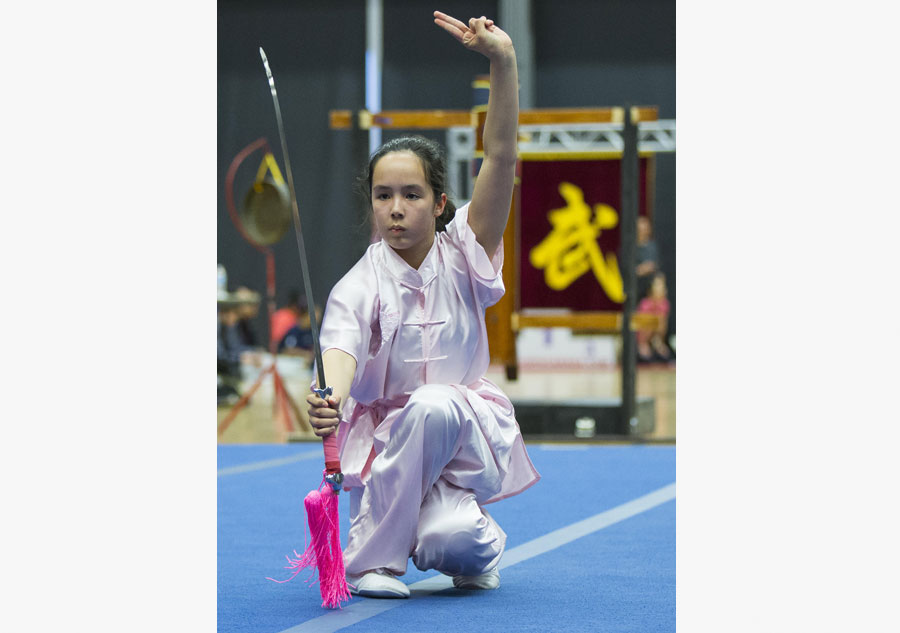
x=480 y=35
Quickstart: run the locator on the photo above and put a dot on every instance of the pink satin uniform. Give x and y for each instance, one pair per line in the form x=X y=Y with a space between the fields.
x=425 y=439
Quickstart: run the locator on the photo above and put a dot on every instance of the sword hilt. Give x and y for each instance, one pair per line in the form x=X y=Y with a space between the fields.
x=334 y=477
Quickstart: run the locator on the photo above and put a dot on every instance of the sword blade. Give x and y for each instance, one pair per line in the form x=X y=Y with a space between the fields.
x=307 y=284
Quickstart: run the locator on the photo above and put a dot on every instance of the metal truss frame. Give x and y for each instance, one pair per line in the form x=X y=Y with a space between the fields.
x=653 y=136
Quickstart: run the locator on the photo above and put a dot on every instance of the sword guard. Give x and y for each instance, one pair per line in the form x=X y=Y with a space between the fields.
x=322 y=393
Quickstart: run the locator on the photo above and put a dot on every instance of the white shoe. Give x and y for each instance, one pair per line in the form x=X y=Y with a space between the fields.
x=487 y=580
x=377 y=584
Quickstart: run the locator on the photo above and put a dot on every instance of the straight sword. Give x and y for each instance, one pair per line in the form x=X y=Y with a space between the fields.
x=332 y=465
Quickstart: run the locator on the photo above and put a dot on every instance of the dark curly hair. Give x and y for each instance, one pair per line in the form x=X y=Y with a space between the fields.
x=431 y=155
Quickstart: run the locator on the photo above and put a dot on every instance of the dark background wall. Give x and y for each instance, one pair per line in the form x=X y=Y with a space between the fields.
x=587 y=53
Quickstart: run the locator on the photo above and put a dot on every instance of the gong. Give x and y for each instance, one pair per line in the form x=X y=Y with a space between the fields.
x=266 y=215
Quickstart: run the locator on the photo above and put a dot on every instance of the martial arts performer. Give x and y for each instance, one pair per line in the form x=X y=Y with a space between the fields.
x=425 y=440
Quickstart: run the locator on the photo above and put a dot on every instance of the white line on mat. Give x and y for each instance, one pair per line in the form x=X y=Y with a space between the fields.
x=269 y=463
x=360 y=610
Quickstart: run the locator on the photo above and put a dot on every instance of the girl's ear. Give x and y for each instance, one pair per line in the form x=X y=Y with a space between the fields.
x=439 y=206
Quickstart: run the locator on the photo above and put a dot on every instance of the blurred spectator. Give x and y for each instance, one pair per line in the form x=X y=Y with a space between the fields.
x=236 y=342
x=646 y=256
x=284 y=318
x=652 y=346
x=298 y=338
x=291 y=326
x=228 y=354
x=247 y=309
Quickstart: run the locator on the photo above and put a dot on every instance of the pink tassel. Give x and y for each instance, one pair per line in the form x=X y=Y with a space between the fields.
x=324 y=550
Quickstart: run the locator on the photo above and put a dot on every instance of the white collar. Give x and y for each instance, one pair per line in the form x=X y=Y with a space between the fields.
x=406 y=274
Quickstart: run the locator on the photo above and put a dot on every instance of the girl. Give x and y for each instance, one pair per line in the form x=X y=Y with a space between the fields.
x=425 y=440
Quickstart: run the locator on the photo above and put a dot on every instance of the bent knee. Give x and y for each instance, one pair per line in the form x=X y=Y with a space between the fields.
x=435 y=405
x=459 y=547
x=433 y=396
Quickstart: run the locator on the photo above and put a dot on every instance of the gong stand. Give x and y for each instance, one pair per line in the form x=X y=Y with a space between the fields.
x=266 y=218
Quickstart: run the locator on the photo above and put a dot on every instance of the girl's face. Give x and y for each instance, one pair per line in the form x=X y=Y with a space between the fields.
x=404 y=205
x=658 y=287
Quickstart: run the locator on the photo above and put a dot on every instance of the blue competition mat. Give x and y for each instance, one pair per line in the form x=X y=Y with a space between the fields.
x=615 y=572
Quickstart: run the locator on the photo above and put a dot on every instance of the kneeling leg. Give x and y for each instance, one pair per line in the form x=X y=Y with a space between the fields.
x=455 y=535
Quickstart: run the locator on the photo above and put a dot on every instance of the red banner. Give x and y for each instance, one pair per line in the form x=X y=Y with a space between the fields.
x=570 y=219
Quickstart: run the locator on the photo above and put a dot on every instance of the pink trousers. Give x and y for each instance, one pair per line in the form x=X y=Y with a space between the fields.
x=421 y=500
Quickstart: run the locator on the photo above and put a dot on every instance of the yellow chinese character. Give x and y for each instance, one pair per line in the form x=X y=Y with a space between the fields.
x=571 y=248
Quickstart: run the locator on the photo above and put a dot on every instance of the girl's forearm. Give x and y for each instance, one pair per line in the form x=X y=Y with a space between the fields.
x=340 y=367
x=502 y=122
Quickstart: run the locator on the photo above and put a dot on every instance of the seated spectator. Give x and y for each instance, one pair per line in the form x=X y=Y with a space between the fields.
x=652 y=346
x=247 y=310
x=298 y=337
x=291 y=330
x=236 y=341
x=284 y=318
x=228 y=354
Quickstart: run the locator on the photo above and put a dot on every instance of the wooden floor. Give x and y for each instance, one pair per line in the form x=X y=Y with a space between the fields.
x=256 y=424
